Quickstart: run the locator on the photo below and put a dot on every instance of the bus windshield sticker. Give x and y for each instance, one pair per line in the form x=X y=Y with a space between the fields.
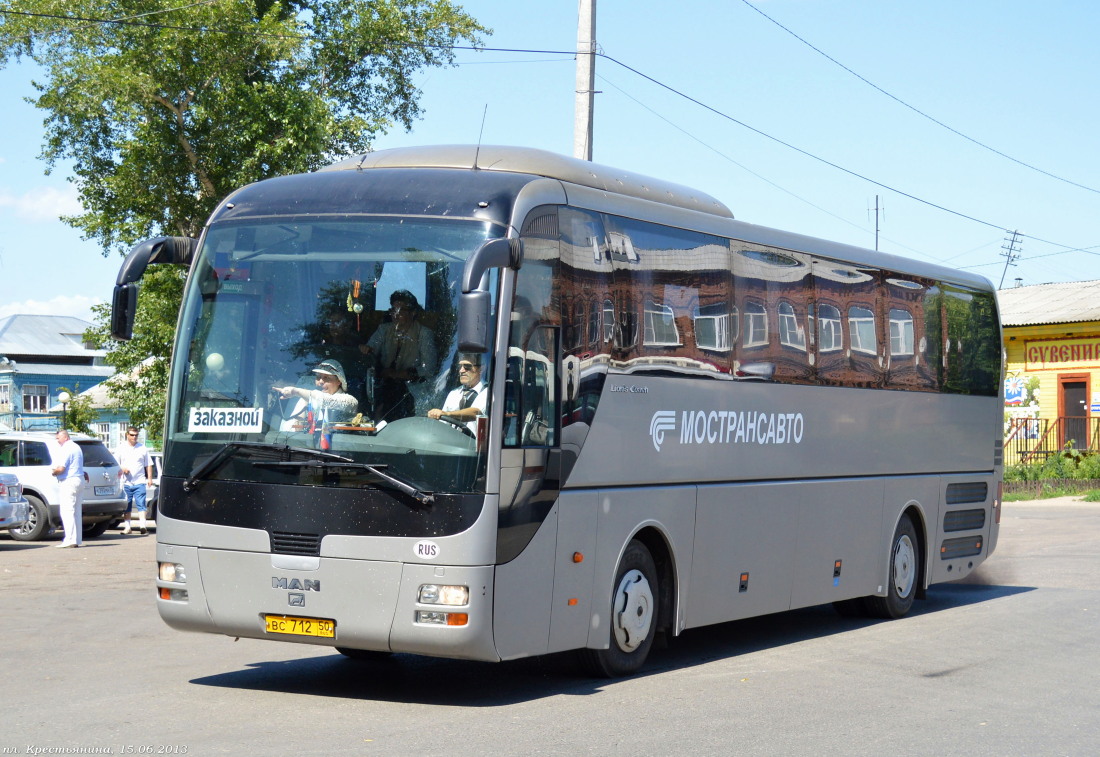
x=236 y=420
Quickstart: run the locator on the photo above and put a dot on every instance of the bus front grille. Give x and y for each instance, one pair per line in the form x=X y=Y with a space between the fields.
x=287 y=543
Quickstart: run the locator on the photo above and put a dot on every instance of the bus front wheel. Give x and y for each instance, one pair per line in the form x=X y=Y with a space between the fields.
x=905 y=572
x=633 y=623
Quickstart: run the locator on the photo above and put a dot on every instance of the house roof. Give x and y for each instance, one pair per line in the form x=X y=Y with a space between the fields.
x=44 y=335
x=1069 y=302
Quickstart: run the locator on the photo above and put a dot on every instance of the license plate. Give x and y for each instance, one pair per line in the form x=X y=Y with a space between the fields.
x=104 y=491
x=296 y=626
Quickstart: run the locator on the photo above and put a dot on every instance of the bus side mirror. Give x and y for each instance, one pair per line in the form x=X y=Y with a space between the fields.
x=179 y=250
x=123 y=308
x=475 y=302
x=473 y=321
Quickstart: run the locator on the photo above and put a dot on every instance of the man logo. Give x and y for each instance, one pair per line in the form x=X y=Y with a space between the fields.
x=663 y=420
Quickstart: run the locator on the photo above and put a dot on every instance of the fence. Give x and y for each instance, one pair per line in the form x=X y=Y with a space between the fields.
x=1033 y=440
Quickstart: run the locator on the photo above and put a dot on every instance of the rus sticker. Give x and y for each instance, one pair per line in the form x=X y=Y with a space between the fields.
x=235 y=420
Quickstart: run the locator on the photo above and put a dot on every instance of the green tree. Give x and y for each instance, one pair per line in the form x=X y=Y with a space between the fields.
x=163 y=107
x=141 y=384
x=79 y=413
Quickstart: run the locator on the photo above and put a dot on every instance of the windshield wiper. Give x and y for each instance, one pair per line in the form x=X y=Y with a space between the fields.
x=421 y=496
x=229 y=449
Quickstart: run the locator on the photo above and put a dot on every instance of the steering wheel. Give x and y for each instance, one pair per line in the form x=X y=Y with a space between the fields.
x=460 y=425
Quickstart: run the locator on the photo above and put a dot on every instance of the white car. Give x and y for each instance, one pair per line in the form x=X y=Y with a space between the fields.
x=13 y=507
x=27 y=455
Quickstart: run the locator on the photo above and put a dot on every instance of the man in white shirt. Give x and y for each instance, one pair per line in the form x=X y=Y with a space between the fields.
x=466 y=403
x=68 y=465
x=136 y=471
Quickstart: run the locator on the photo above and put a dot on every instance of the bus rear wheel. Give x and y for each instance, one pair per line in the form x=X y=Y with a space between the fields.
x=905 y=572
x=633 y=624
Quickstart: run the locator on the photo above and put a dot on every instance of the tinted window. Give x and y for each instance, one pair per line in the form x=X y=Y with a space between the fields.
x=36 y=453
x=96 y=455
x=9 y=451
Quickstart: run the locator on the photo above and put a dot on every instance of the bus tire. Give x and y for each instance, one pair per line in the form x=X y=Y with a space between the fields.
x=905 y=571
x=633 y=622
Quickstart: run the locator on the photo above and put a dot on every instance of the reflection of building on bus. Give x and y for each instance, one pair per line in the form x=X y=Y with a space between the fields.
x=694 y=302
x=689 y=419
x=1052 y=386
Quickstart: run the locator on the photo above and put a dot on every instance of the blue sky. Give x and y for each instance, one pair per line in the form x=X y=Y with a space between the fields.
x=1018 y=77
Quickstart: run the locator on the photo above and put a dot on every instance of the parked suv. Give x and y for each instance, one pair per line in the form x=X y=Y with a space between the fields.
x=13 y=508
x=27 y=455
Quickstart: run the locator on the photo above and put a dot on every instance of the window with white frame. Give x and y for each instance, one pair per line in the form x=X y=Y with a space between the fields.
x=608 y=320
x=712 y=327
x=830 y=335
x=756 y=324
x=791 y=333
x=901 y=332
x=5 y=394
x=660 y=325
x=35 y=398
x=861 y=330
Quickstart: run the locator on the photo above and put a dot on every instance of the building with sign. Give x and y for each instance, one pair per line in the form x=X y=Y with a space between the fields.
x=1052 y=382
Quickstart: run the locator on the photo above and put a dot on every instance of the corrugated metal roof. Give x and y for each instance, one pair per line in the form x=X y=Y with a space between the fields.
x=56 y=335
x=1070 y=302
x=94 y=373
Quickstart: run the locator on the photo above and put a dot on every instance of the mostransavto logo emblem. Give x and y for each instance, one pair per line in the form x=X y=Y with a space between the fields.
x=727 y=427
x=662 y=421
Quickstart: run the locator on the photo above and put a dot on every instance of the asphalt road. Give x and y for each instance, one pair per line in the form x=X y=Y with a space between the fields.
x=1005 y=663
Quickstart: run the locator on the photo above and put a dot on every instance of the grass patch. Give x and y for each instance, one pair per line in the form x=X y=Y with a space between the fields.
x=1052 y=492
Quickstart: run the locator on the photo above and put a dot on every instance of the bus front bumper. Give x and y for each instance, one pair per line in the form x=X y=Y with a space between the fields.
x=339 y=602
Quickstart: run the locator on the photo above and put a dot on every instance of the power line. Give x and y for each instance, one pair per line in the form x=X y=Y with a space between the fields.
x=918 y=111
x=636 y=72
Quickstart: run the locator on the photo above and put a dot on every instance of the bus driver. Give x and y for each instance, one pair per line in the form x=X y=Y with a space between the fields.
x=466 y=403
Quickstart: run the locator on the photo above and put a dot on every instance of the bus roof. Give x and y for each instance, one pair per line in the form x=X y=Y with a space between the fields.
x=527 y=160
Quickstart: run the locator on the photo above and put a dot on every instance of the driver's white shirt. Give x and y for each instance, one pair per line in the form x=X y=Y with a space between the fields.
x=454 y=402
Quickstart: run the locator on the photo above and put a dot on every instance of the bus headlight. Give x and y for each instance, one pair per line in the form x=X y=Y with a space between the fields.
x=172 y=571
x=435 y=594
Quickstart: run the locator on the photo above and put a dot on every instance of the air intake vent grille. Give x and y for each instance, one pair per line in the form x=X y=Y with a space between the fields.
x=964 y=520
x=960 y=494
x=543 y=227
x=286 y=543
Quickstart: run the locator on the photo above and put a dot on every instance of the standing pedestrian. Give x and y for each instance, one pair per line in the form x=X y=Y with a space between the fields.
x=137 y=470
x=68 y=466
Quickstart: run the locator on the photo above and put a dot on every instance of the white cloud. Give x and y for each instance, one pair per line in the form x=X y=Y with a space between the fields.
x=42 y=203
x=77 y=306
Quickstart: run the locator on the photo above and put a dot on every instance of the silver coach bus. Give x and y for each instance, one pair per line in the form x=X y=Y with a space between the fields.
x=689 y=419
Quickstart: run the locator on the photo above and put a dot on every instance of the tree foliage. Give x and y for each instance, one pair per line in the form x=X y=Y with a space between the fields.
x=163 y=112
x=163 y=107
x=78 y=414
x=141 y=384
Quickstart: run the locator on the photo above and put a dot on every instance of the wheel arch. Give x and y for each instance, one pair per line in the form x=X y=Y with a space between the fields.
x=918 y=518
x=660 y=549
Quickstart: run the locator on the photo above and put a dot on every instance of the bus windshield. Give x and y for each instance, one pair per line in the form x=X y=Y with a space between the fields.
x=311 y=340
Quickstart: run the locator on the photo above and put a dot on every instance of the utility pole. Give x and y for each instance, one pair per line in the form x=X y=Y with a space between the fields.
x=1011 y=254
x=877 y=211
x=586 y=79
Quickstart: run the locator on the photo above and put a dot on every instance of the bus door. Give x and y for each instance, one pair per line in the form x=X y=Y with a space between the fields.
x=531 y=463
